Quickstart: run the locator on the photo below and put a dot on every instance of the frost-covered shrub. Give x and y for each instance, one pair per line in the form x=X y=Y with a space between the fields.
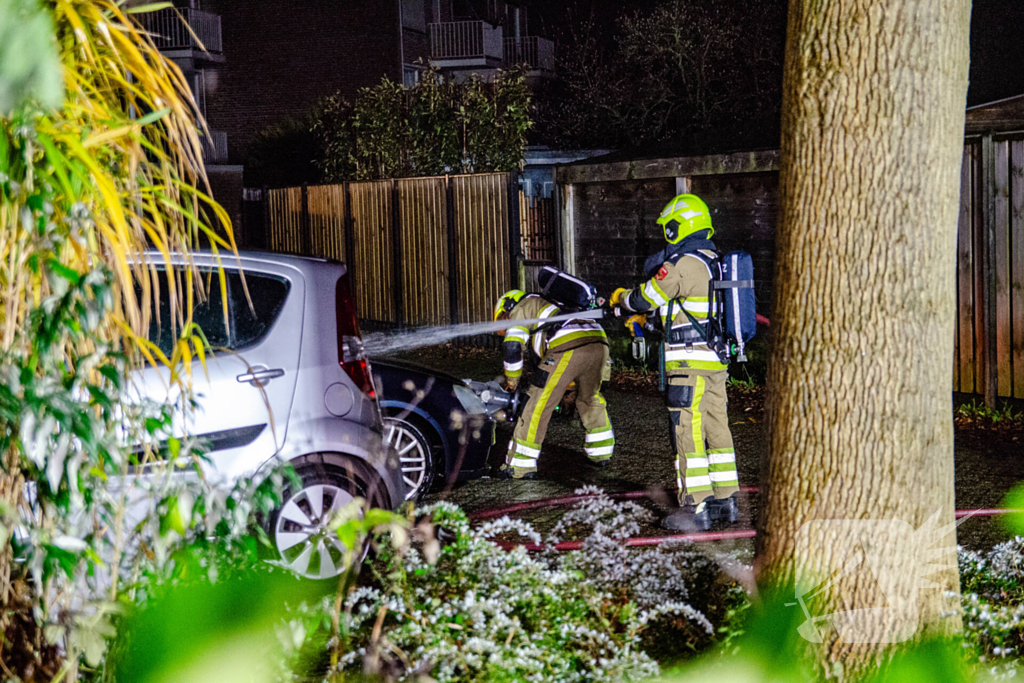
x=480 y=613
x=1006 y=564
x=992 y=601
x=649 y=576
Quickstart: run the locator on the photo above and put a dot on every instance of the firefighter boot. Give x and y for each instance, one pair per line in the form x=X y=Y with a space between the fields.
x=691 y=517
x=506 y=472
x=725 y=509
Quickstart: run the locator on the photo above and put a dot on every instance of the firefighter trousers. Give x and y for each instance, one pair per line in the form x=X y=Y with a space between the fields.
x=699 y=426
x=584 y=365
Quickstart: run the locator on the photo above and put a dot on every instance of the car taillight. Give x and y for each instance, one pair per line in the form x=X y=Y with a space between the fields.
x=351 y=354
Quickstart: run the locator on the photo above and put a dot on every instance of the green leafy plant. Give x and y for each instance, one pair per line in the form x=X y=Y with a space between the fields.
x=436 y=127
x=380 y=131
x=976 y=411
x=746 y=385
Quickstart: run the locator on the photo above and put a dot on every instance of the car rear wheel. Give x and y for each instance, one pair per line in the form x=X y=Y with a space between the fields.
x=300 y=528
x=415 y=454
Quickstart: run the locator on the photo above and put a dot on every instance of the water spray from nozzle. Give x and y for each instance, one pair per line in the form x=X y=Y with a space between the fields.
x=385 y=343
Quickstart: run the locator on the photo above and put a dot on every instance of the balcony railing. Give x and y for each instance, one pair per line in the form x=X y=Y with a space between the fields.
x=537 y=53
x=465 y=40
x=215 y=146
x=183 y=29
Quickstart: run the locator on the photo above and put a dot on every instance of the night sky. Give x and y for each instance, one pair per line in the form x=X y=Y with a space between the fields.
x=997 y=37
x=997 y=50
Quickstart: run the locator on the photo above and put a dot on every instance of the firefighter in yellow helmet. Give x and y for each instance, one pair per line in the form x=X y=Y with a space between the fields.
x=571 y=351
x=696 y=376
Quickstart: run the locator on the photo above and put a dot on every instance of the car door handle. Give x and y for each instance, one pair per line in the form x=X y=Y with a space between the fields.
x=260 y=377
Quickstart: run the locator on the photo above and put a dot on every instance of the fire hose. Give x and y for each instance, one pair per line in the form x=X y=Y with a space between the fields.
x=637 y=541
x=496 y=399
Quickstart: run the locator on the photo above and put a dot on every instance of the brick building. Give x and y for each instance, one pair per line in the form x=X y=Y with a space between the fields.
x=256 y=63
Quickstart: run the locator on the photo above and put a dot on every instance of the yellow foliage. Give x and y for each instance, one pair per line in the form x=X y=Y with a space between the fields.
x=119 y=170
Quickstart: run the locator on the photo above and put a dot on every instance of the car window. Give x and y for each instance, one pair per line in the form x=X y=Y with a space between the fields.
x=248 y=324
x=251 y=324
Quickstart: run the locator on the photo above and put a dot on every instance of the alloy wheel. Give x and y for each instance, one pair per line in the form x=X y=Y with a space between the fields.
x=305 y=544
x=412 y=454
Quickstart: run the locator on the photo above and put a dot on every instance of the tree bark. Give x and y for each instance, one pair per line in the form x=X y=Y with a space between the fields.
x=860 y=401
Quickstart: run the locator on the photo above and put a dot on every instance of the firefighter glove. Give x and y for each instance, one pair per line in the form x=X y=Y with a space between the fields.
x=638 y=319
x=511 y=383
x=617 y=296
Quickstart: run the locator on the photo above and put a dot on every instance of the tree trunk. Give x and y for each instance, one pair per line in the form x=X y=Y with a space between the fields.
x=860 y=406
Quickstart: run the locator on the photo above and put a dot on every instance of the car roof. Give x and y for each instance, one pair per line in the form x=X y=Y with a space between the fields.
x=246 y=258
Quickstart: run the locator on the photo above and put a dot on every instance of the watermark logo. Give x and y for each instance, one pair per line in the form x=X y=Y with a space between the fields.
x=874 y=572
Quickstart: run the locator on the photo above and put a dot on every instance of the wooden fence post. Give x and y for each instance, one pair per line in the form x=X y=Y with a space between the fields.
x=567 y=229
x=305 y=224
x=453 y=252
x=396 y=254
x=350 y=238
x=988 y=269
x=266 y=218
x=515 y=239
x=556 y=211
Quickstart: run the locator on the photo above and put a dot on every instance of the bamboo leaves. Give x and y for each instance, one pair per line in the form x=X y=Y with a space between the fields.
x=91 y=179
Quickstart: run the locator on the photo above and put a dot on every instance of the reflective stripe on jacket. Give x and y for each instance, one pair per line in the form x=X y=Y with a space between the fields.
x=564 y=337
x=685 y=281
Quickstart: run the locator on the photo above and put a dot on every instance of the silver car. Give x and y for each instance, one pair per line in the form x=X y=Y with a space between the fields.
x=288 y=382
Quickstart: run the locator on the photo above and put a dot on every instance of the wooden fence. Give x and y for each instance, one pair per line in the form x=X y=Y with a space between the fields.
x=422 y=251
x=540 y=239
x=989 y=352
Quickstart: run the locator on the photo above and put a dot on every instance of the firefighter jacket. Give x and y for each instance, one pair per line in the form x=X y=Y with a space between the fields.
x=682 y=285
x=539 y=339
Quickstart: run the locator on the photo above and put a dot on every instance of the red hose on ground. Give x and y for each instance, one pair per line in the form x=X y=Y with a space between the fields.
x=643 y=540
x=653 y=540
x=553 y=502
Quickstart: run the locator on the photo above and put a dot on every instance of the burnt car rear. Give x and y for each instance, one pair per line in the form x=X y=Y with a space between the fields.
x=441 y=428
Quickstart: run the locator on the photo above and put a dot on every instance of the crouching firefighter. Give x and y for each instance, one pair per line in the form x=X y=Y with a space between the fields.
x=679 y=288
x=564 y=352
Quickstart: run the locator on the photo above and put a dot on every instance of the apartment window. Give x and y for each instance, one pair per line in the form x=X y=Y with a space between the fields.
x=410 y=76
x=414 y=14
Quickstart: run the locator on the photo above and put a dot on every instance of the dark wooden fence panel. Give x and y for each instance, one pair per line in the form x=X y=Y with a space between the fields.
x=539 y=236
x=971 y=361
x=1004 y=333
x=538 y=221
x=1016 y=216
x=964 y=352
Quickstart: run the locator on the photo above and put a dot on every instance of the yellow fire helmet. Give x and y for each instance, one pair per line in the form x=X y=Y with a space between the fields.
x=683 y=216
x=507 y=302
